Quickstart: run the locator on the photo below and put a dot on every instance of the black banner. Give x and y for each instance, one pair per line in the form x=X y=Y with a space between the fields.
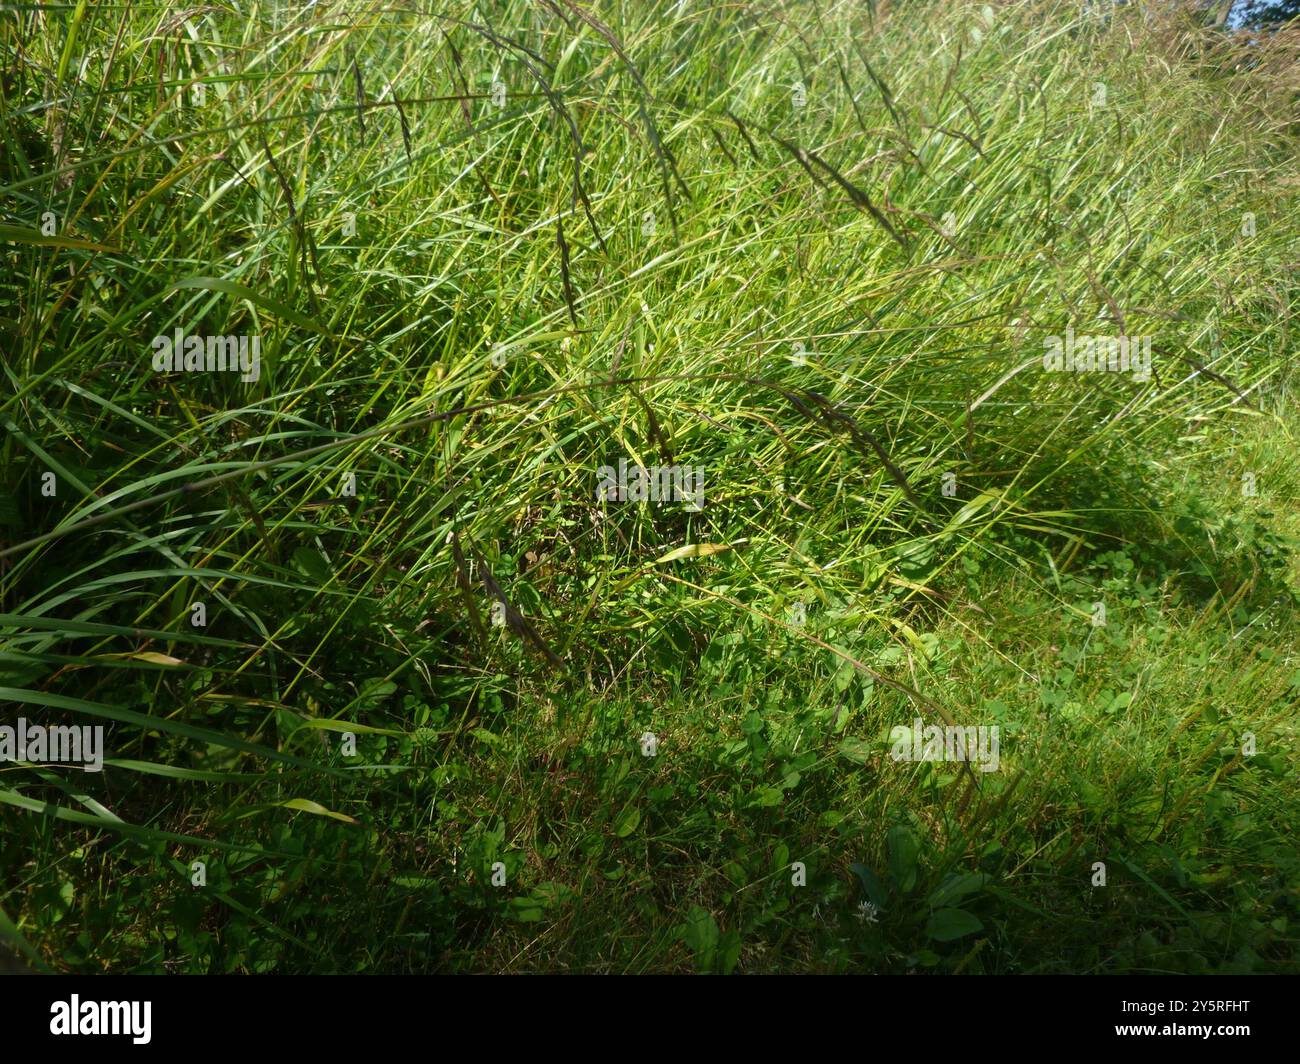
x=156 y=1013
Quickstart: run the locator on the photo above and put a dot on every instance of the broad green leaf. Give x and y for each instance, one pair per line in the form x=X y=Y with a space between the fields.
x=313 y=564
x=955 y=887
x=945 y=925
x=626 y=821
x=871 y=884
x=728 y=951
x=903 y=851
x=701 y=935
x=526 y=909
x=857 y=750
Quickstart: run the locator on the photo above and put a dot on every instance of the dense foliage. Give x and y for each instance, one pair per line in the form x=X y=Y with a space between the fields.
x=813 y=251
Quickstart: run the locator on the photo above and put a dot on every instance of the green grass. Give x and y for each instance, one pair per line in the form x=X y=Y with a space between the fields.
x=470 y=308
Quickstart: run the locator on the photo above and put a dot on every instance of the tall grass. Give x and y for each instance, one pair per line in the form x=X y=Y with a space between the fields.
x=467 y=305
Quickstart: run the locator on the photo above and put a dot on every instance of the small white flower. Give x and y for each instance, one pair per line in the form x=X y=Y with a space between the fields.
x=868 y=912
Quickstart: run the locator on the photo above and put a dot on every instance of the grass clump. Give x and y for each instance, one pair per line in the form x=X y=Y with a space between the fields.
x=816 y=254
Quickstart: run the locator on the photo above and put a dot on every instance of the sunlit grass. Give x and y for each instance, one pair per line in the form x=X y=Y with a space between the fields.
x=647 y=250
